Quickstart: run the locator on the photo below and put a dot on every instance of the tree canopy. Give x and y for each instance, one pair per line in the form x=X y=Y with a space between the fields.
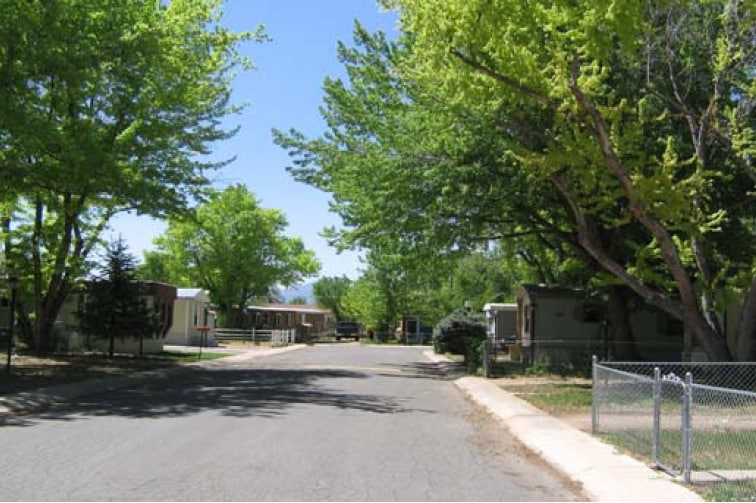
x=233 y=248
x=616 y=137
x=329 y=292
x=107 y=107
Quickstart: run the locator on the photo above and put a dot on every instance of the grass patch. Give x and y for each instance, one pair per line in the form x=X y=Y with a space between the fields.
x=727 y=453
x=727 y=491
x=717 y=449
x=559 y=390
x=555 y=398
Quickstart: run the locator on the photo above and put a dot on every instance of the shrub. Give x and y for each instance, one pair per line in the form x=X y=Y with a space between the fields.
x=460 y=333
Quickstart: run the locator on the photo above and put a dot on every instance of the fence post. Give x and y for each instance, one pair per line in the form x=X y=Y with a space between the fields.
x=657 y=416
x=686 y=427
x=594 y=395
x=485 y=358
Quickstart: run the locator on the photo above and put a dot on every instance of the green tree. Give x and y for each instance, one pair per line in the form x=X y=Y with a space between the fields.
x=299 y=300
x=235 y=249
x=107 y=107
x=568 y=123
x=114 y=305
x=365 y=302
x=329 y=292
x=615 y=86
x=155 y=267
x=428 y=182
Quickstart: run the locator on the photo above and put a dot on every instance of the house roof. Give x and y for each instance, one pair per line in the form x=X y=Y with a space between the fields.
x=189 y=292
x=491 y=306
x=551 y=291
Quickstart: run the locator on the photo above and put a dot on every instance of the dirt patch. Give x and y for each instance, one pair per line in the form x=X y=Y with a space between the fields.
x=489 y=439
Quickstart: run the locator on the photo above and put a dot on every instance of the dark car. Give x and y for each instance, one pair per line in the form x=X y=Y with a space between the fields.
x=350 y=329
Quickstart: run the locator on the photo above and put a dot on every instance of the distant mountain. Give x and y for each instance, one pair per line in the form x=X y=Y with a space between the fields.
x=299 y=291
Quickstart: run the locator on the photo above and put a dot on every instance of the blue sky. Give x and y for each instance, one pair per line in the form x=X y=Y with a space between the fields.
x=284 y=91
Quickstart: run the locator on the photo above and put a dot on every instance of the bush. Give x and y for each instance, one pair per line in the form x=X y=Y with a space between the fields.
x=476 y=352
x=460 y=333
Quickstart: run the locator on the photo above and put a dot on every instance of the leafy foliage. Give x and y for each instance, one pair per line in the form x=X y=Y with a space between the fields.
x=329 y=293
x=463 y=332
x=233 y=248
x=596 y=143
x=107 y=107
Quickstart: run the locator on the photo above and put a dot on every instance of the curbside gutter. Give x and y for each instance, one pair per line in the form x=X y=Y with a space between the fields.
x=33 y=400
x=603 y=472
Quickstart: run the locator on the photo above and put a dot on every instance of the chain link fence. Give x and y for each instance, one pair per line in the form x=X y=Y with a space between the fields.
x=695 y=420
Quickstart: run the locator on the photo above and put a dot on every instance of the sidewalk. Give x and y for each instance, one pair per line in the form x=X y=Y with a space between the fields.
x=32 y=400
x=604 y=473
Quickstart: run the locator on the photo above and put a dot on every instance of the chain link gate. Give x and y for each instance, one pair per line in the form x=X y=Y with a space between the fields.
x=672 y=423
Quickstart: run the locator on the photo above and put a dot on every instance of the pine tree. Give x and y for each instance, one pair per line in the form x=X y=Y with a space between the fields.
x=114 y=305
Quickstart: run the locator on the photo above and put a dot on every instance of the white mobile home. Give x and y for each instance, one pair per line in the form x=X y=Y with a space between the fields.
x=192 y=317
x=502 y=322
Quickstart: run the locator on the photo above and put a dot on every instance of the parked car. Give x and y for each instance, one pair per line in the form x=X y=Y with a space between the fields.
x=351 y=329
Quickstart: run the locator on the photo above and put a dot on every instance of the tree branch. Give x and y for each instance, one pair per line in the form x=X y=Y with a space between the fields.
x=504 y=79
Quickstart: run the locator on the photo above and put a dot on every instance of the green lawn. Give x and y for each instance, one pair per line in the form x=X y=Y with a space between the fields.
x=728 y=491
x=555 y=398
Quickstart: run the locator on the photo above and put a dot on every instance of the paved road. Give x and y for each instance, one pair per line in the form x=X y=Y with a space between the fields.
x=328 y=423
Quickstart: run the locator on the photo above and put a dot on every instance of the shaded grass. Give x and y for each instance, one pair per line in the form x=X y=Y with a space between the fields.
x=29 y=371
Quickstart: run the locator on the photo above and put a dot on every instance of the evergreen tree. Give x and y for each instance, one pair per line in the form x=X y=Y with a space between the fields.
x=115 y=304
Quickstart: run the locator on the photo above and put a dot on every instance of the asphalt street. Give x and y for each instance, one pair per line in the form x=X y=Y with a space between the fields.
x=342 y=422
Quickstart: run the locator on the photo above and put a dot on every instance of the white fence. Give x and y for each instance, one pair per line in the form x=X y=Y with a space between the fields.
x=276 y=338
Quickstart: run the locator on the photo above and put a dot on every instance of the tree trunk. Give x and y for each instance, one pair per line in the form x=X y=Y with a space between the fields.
x=713 y=342
x=40 y=342
x=621 y=337
x=746 y=335
x=686 y=309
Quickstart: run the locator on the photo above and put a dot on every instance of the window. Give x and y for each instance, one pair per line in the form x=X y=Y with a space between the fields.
x=278 y=319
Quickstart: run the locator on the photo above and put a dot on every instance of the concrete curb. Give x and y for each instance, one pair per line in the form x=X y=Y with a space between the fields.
x=603 y=473
x=33 y=400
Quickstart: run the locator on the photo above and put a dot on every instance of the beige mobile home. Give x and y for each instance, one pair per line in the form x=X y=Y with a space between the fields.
x=159 y=298
x=564 y=325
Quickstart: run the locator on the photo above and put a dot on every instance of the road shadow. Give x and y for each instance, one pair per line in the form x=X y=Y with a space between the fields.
x=237 y=392
x=444 y=371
